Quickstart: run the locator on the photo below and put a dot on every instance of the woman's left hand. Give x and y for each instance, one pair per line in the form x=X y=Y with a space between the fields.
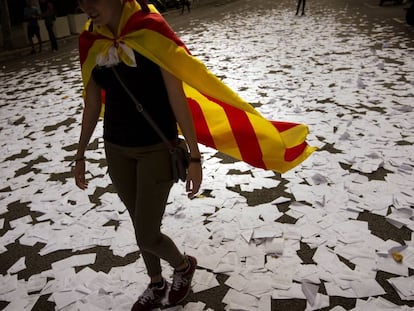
x=194 y=178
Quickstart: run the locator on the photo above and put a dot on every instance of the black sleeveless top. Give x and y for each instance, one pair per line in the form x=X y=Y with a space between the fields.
x=123 y=124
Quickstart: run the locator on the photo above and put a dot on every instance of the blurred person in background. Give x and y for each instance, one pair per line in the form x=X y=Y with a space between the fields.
x=48 y=14
x=301 y=3
x=31 y=16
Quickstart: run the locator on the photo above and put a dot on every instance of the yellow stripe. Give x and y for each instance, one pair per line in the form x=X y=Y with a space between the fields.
x=90 y=60
x=185 y=67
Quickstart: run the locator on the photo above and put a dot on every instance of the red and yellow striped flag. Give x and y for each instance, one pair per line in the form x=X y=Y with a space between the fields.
x=222 y=119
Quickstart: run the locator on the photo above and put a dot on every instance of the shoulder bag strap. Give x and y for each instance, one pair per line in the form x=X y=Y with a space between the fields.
x=141 y=109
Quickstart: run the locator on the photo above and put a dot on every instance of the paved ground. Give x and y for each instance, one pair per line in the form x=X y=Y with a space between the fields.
x=20 y=61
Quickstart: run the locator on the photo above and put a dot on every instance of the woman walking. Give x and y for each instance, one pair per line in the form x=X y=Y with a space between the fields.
x=138 y=159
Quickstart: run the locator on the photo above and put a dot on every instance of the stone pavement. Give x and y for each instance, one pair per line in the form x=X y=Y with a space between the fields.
x=65 y=42
x=389 y=10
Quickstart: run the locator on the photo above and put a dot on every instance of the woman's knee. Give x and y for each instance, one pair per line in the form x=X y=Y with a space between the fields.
x=148 y=242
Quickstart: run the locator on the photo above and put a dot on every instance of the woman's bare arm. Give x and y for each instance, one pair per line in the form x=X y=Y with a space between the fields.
x=90 y=118
x=184 y=118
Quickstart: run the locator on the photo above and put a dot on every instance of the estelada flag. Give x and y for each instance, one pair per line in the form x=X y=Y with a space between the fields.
x=222 y=119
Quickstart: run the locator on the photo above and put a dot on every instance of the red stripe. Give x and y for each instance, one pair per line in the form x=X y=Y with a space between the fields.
x=86 y=41
x=200 y=124
x=291 y=153
x=247 y=140
x=244 y=134
x=138 y=20
x=282 y=126
x=294 y=152
x=154 y=22
x=103 y=96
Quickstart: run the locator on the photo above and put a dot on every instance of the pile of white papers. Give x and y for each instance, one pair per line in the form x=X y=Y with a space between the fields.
x=354 y=89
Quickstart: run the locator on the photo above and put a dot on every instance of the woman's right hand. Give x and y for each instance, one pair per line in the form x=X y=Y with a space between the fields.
x=79 y=173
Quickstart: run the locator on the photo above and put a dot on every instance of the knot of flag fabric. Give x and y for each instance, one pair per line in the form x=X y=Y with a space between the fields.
x=222 y=119
x=115 y=53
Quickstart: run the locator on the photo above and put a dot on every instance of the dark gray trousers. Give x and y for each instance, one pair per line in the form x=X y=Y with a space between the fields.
x=142 y=179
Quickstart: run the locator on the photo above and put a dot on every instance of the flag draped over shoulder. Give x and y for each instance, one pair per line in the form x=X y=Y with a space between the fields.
x=222 y=119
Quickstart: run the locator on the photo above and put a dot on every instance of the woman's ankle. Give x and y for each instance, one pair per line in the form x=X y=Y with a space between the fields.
x=156 y=279
x=159 y=284
x=184 y=266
